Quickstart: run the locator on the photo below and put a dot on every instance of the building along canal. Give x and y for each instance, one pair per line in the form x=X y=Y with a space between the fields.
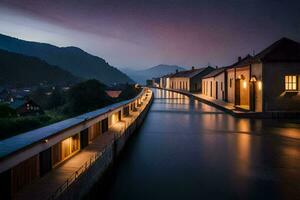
x=189 y=150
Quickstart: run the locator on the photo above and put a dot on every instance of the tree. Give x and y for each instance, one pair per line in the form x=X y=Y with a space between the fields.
x=87 y=96
x=129 y=92
x=39 y=96
x=6 y=111
x=56 y=99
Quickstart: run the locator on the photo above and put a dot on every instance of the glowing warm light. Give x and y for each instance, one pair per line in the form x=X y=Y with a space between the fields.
x=244 y=84
x=253 y=79
x=259 y=85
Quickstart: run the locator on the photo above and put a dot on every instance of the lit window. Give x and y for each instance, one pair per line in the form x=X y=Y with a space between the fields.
x=290 y=82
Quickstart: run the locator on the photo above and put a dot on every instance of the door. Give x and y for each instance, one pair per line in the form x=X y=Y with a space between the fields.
x=84 y=138
x=211 y=89
x=104 y=125
x=217 y=89
x=237 y=92
x=119 y=115
x=252 y=96
x=45 y=161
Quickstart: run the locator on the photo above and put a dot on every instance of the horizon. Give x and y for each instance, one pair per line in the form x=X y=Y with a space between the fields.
x=139 y=35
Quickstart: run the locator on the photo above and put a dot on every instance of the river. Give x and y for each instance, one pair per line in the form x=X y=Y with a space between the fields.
x=189 y=150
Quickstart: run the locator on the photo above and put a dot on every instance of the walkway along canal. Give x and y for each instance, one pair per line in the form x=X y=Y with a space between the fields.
x=65 y=159
x=186 y=149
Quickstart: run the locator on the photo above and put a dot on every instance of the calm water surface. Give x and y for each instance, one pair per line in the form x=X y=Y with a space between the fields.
x=189 y=150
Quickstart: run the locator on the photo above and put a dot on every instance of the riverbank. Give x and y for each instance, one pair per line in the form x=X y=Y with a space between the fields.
x=238 y=111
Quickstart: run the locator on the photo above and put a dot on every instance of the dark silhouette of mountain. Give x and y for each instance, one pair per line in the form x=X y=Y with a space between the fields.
x=21 y=71
x=72 y=59
x=140 y=76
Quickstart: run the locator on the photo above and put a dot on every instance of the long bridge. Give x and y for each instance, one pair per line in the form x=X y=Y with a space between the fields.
x=53 y=161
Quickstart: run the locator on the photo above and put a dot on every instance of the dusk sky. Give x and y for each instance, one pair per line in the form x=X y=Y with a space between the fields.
x=143 y=33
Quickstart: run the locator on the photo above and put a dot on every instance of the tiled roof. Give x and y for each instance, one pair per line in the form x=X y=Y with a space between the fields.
x=17 y=103
x=113 y=93
x=282 y=50
x=167 y=76
x=216 y=72
x=244 y=61
x=189 y=73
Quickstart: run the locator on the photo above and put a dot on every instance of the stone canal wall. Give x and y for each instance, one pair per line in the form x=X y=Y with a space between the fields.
x=85 y=182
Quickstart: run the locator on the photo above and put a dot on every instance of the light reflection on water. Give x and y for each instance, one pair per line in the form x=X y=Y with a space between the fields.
x=189 y=150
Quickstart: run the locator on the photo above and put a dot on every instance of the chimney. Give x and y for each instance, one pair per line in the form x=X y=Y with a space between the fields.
x=239 y=58
x=217 y=67
x=193 y=67
x=176 y=70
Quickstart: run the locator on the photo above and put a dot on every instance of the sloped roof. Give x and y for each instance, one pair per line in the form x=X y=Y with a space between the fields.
x=244 y=61
x=113 y=93
x=282 y=50
x=216 y=72
x=167 y=75
x=17 y=103
x=189 y=73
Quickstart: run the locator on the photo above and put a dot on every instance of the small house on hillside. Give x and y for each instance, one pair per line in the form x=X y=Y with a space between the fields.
x=26 y=107
x=113 y=93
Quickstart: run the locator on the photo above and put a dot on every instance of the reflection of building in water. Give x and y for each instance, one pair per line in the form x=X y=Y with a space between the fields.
x=243 y=150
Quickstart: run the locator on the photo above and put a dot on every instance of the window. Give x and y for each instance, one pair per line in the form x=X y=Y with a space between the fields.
x=290 y=83
x=230 y=82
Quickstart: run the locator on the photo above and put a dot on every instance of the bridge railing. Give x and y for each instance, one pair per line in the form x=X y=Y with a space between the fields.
x=76 y=175
x=93 y=159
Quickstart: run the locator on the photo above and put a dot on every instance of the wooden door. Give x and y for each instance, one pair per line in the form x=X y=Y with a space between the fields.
x=237 y=92
x=84 y=138
x=252 y=96
x=45 y=161
x=217 y=89
x=104 y=125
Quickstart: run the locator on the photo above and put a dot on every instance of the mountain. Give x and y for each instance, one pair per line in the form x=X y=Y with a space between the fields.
x=140 y=76
x=21 y=70
x=71 y=59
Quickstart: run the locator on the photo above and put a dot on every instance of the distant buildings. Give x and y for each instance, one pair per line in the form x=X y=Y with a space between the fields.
x=113 y=93
x=5 y=95
x=154 y=82
x=165 y=81
x=189 y=80
x=26 y=107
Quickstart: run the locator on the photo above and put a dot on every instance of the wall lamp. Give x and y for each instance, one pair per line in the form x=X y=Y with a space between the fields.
x=253 y=79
